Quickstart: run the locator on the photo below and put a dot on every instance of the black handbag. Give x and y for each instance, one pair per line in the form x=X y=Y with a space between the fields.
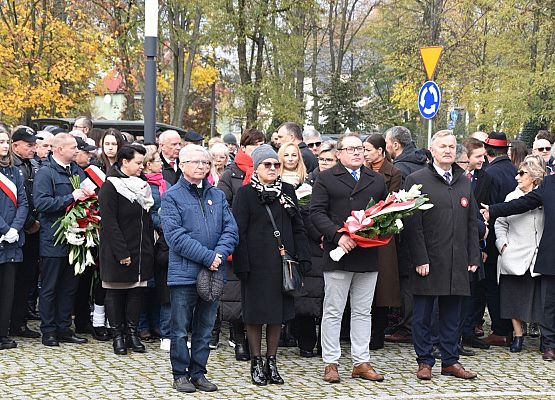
x=292 y=281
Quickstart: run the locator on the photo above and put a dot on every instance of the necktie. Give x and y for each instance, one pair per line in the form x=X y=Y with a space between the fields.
x=172 y=164
x=354 y=174
x=68 y=170
x=447 y=177
x=469 y=176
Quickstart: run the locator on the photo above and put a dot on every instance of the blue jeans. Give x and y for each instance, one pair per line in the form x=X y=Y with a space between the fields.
x=188 y=309
x=165 y=320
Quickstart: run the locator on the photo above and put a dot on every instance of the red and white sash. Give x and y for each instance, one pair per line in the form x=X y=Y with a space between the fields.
x=9 y=188
x=97 y=176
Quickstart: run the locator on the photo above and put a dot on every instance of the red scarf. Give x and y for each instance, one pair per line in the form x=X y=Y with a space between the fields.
x=157 y=180
x=244 y=162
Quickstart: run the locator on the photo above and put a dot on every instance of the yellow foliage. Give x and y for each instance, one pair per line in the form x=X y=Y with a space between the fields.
x=405 y=95
x=203 y=76
x=47 y=64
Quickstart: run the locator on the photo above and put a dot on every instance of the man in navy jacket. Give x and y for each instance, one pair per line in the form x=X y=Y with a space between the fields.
x=201 y=233
x=53 y=192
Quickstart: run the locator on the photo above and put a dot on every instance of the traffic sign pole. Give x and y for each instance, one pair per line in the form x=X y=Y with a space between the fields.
x=429 y=132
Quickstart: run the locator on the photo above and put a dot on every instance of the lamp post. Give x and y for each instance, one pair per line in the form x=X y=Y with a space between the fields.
x=151 y=39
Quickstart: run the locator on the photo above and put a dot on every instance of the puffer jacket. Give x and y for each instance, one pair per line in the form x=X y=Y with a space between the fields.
x=13 y=216
x=198 y=224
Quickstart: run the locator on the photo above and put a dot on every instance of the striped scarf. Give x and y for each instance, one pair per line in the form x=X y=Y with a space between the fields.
x=268 y=193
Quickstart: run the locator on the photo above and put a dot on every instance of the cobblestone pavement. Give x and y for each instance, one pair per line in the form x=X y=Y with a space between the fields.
x=92 y=371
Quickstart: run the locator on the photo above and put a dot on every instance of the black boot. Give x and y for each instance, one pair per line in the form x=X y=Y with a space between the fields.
x=516 y=345
x=242 y=352
x=133 y=341
x=258 y=375
x=119 y=345
x=271 y=371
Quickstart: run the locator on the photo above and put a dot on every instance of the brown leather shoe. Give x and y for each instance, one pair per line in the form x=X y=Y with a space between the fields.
x=424 y=372
x=458 y=371
x=497 y=340
x=331 y=375
x=365 y=371
x=549 y=354
x=398 y=338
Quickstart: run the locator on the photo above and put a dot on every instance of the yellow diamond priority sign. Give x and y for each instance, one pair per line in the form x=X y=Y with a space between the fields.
x=430 y=57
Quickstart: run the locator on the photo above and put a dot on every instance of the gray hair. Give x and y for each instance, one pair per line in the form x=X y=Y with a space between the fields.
x=535 y=166
x=219 y=148
x=310 y=132
x=192 y=148
x=328 y=145
x=399 y=134
x=440 y=134
x=170 y=133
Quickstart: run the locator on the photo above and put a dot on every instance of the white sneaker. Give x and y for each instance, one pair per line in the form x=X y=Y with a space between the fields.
x=165 y=344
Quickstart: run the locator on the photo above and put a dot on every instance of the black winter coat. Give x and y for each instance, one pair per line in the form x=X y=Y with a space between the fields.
x=28 y=168
x=230 y=302
x=257 y=258
x=445 y=236
x=502 y=173
x=169 y=174
x=126 y=230
x=334 y=196
x=309 y=159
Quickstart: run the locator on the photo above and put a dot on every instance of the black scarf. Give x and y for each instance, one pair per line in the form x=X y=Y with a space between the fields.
x=267 y=194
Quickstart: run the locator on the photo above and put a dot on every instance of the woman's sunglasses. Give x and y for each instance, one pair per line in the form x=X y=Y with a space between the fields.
x=269 y=165
x=521 y=173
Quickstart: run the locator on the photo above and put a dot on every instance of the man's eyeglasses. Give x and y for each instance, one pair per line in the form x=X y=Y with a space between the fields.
x=521 y=173
x=269 y=165
x=326 y=160
x=542 y=149
x=315 y=144
x=204 y=163
x=351 y=149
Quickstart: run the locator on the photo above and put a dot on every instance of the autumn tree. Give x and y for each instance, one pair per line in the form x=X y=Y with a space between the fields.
x=49 y=59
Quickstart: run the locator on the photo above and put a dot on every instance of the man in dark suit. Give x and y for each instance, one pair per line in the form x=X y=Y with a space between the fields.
x=544 y=196
x=170 y=144
x=53 y=193
x=292 y=132
x=337 y=192
x=443 y=248
x=502 y=172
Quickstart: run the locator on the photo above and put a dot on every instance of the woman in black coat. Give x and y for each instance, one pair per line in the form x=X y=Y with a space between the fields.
x=126 y=244
x=257 y=261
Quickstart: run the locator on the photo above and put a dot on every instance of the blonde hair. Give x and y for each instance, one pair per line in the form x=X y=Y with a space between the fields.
x=214 y=141
x=301 y=169
x=535 y=166
x=151 y=151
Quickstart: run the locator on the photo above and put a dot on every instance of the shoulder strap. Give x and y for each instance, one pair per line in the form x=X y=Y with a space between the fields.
x=277 y=233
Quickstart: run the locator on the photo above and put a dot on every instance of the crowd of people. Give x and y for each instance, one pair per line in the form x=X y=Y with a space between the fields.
x=175 y=210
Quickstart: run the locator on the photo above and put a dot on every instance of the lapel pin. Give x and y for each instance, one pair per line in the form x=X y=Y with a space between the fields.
x=209 y=202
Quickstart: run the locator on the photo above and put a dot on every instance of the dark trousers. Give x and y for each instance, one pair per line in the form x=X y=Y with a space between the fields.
x=24 y=279
x=468 y=309
x=406 y=304
x=449 y=320
x=7 y=279
x=123 y=306
x=547 y=325
x=57 y=294
x=89 y=292
x=305 y=332
x=499 y=326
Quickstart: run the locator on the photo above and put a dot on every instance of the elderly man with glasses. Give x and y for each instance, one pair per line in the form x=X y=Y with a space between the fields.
x=201 y=233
